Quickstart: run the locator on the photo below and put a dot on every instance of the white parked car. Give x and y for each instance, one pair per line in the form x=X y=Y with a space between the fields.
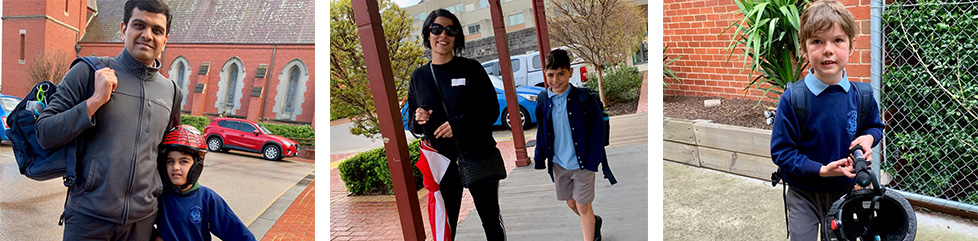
x=527 y=70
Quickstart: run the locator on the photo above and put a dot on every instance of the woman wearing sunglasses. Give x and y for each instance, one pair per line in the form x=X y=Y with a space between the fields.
x=461 y=87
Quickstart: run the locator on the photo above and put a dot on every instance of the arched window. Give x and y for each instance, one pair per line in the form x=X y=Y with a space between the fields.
x=228 y=99
x=233 y=76
x=180 y=74
x=293 y=86
x=289 y=92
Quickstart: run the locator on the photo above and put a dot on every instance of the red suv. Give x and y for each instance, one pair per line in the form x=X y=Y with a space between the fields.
x=244 y=135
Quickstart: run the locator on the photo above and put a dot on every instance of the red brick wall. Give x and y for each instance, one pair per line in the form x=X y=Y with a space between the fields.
x=218 y=54
x=43 y=36
x=47 y=36
x=691 y=29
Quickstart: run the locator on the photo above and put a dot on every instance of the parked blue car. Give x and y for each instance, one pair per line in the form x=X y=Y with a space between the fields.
x=7 y=103
x=526 y=96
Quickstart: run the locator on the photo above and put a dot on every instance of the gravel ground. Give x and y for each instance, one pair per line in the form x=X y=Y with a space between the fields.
x=622 y=108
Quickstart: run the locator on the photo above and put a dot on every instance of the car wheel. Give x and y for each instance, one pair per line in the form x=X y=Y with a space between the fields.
x=272 y=152
x=523 y=118
x=215 y=144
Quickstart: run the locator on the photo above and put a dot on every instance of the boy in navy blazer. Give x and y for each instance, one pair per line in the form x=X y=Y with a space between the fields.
x=571 y=140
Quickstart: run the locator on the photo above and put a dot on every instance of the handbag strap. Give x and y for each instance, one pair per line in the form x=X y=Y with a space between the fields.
x=442 y=97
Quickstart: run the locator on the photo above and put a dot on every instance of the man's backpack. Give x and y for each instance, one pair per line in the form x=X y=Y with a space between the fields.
x=800 y=103
x=34 y=161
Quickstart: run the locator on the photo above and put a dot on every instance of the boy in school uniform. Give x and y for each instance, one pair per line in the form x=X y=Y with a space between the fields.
x=813 y=153
x=570 y=141
x=189 y=211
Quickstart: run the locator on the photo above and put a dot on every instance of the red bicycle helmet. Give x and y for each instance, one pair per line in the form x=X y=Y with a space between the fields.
x=188 y=139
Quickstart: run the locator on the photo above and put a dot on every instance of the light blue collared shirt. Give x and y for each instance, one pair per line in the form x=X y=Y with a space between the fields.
x=564 y=153
x=817 y=86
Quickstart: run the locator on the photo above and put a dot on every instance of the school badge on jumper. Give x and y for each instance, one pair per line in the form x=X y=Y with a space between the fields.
x=851 y=117
x=195 y=214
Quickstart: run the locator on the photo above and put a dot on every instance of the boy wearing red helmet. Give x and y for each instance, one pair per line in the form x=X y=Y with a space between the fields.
x=187 y=210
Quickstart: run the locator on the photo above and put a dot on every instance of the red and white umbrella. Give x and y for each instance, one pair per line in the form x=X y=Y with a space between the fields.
x=433 y=166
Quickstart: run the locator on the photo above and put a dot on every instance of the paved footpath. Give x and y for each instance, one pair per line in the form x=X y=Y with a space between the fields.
x=702 y=204
x=292 y=215
x=375 y=217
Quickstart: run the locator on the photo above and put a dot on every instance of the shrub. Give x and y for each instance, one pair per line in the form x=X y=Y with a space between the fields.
x=196 y=121
x=766 y=35
x=293 y=132
x=666 y=71
x=367 y=173
x=621 y=84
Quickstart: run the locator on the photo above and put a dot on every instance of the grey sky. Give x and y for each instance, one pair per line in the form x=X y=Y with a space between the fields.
x=406 y=3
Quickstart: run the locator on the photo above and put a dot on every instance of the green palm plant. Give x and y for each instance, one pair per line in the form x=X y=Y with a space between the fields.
x=666 y=72
x=768 y=36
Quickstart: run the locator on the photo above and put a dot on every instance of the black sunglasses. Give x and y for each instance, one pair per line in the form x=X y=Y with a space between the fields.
x=451 y=30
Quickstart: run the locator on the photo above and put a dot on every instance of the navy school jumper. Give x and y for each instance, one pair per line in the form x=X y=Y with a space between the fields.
x=801 y=151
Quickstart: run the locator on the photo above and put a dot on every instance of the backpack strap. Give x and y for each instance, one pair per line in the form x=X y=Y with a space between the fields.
x=174 y=106
x=800 y=101
x=596 y=100
x=96 y=63
x=865 y=92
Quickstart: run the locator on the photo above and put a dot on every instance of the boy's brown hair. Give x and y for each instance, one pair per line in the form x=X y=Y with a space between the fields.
x=821 y=16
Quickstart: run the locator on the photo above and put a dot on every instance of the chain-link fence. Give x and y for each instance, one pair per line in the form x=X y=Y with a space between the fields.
x=929 y=98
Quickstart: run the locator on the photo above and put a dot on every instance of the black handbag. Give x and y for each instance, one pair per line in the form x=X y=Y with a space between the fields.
x=479 y=166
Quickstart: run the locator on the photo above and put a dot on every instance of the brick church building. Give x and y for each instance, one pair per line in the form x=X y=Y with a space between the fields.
x=250 y=59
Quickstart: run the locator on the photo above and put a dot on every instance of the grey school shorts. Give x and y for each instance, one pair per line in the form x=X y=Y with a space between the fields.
x=576 y=184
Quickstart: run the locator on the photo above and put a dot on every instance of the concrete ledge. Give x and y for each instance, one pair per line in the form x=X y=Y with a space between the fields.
x=732 y=149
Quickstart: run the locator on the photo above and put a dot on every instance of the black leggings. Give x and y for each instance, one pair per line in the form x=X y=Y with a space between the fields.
x=485 y=197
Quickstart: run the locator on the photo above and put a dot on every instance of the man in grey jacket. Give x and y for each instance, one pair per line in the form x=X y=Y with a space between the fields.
x=119 y=119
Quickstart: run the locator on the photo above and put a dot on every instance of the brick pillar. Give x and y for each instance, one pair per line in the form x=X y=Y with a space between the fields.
x=199 y=90
x=255 y=98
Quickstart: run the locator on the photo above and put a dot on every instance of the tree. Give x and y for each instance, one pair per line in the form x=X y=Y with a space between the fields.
x=51 y=66
x=349 y=87
x=601 y=32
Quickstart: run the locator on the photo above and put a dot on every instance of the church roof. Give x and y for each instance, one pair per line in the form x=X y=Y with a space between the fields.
x=219 y=21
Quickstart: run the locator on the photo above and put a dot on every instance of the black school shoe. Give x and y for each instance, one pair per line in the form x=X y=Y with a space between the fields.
x=597 y=228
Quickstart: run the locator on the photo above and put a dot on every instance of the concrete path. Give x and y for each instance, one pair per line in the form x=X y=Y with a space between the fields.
x=29 y=209
x=531 y=210
x=375 y=217
x=702 y=204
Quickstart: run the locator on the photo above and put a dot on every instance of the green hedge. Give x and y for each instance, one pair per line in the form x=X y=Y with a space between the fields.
x=196 y=121
x=367 y=173
x=294 y=132
x=930 y=100
x=621 y=84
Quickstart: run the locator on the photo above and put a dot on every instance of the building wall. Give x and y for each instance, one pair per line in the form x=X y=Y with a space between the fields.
x=520 y=42
x=472 y=14
x=251 y=56
x=691 y=29
x=48 y=28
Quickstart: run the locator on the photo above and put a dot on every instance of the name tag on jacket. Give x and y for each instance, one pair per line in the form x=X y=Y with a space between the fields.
x=458 y=82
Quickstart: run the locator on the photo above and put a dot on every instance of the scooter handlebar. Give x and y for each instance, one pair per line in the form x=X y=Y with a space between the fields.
x=860 y=164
